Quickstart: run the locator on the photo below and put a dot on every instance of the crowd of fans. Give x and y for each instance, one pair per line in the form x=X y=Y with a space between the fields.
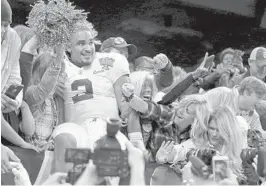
x=165 y=112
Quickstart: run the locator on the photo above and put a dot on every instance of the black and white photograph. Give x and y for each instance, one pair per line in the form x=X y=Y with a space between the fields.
x=133 y=92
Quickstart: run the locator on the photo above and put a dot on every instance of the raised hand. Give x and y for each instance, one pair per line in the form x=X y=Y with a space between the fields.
x=164 y=152
x=201 y=70
x=160 y=61
x=127 y=89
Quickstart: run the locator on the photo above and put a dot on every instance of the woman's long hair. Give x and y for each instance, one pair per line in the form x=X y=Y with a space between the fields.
x=202 y=113
x=138 y=78
x=231 y=134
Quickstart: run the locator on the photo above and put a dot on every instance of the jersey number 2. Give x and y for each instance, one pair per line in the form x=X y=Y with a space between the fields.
x=86 y=95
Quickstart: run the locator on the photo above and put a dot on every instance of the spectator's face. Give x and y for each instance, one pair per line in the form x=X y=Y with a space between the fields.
x=258 y=68
x=214 y=136
x=4 y=27
x=82 y=48
x=228 y=59
x=251 y=99
x=184 y=116
x=147 y=89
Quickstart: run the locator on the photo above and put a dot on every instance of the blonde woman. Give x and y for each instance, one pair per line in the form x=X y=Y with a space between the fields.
x=139 y=130
x=192 y=109
x=223 y=134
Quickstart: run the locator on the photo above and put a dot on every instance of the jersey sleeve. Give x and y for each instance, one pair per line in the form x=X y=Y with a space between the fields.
x=120 y=68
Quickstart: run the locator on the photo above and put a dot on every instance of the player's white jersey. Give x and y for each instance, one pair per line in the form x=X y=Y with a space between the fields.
x=89 y=90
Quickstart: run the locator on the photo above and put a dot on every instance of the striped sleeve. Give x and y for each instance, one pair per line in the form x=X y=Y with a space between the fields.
x=161 y=114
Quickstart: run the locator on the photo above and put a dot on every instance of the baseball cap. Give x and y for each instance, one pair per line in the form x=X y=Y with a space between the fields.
x=118 y=42
x=258 y=53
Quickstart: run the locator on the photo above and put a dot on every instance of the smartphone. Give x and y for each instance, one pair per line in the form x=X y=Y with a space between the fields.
x=220 y=167
x=209 y=62
x=237 y=56
x=78 y=155
x=14 y=90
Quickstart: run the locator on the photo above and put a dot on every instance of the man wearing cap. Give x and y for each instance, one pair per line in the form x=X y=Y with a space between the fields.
x=257 y=68
x=10 y=74
x=118 y=45
x=257 y=63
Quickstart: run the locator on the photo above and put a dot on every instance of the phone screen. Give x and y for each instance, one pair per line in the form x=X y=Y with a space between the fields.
x=220 y=168
x=13 y=91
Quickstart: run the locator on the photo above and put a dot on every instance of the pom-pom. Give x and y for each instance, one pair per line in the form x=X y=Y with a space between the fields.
x=54 y=22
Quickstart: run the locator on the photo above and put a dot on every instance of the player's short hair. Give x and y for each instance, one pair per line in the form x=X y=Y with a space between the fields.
x=85 y=26
x=253 y=85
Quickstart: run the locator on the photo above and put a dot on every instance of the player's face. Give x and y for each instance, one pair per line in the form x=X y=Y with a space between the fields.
x=82 y=48
x=214 y=136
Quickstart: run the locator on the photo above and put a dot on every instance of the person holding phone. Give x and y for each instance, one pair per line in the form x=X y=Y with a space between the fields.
x=10 y=53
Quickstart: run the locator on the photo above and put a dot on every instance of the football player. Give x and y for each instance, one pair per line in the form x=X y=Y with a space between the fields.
x=92 y=93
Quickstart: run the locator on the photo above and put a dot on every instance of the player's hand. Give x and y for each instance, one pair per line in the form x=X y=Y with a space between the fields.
x=7 y=155
x=164 y=154
x=58 y=178
x=8 y=104
x=21 y=175
x=127 y=89
x=160 y=61
x=26 y=145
